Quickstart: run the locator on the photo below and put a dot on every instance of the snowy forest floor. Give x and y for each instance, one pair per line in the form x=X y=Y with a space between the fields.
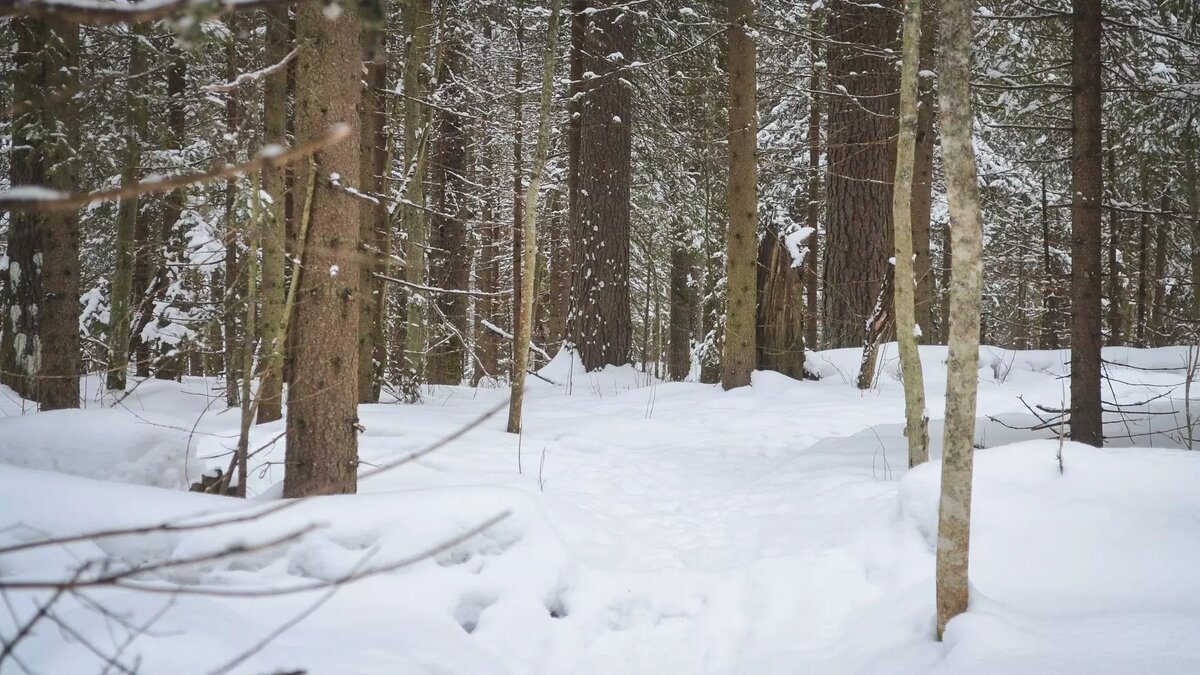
x=653 y=528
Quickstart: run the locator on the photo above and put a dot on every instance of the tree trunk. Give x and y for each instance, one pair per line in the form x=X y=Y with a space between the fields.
x=524 y=326
x=879 y=327
x=779 y=328
x=904 y=215
x=416 y=132
x=322 y=443
x=1087 y=189
x=1162 y=242
x=373 y=217
x=172 y=357
x=1143 y=287
x=600 y=323
x=954 y=509
x=1116 y=294
x=449 y=257
x=812 y=278
x=40 y=295
x=861 y=155
x=737 y=362
x=1050 y=320
x=922 y=182
x=274 y=238
x=682 y=310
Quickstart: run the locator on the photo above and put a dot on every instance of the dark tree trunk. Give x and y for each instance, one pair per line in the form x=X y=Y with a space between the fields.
x=600 y=322
x=861 y=151
x=1087 y=189
x=449 y=263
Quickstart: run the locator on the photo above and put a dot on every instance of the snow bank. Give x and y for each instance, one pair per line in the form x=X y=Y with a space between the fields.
x=1090 y=571
x=100 y=443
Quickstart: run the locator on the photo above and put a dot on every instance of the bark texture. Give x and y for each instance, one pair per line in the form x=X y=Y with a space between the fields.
x=779 y=326
x=966 y=280
x=322 y=442
x=1087 y=187
x=600 y=322
x=916 y=427
x=737 y=362
x=861 y=154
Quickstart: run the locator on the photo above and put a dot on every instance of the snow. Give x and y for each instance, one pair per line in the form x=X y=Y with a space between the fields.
x=651 y=527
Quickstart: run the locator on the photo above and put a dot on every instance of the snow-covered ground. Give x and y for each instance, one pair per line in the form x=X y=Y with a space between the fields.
x=652 y=528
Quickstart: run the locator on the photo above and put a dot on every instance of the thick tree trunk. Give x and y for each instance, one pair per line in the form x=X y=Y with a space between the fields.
x=861 y=153
x=954 y=509
x=40 y=294
x=322 y=443
x=1087 y=189
x=904 y=215
x=600 y=324
x=274 y=238
x=738 y=358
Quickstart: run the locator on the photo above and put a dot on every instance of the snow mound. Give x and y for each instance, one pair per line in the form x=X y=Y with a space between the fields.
x=1087 y=571
x=105 y=444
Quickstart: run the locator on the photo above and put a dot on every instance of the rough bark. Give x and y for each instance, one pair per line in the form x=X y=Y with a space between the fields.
x=683 y=307
x=812 y=277
x=600 y=323
x=120 y=311
x=274 y=225
x=373 y=217
x=322 y=443
x=922 y=180
x=904 y=216
x=737 y=362
x=40 y=292
x=449 y=261
x=1087 y=189
x=779 y=326
x=954 y=509
x=861 y=154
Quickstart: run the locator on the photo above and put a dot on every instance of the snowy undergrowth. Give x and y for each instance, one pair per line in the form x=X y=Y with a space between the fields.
x=652 y=528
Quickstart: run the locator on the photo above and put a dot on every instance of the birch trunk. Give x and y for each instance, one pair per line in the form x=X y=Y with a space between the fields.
x=966 y=278
x=524 y=327
x=916 y=428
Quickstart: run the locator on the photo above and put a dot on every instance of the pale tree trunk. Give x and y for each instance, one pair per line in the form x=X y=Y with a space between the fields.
x=954 y=509
x=524 y=327
x=1087 y=189
x=916 y=428
x=737 y=362
x=274 y=225
x=322 y=420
